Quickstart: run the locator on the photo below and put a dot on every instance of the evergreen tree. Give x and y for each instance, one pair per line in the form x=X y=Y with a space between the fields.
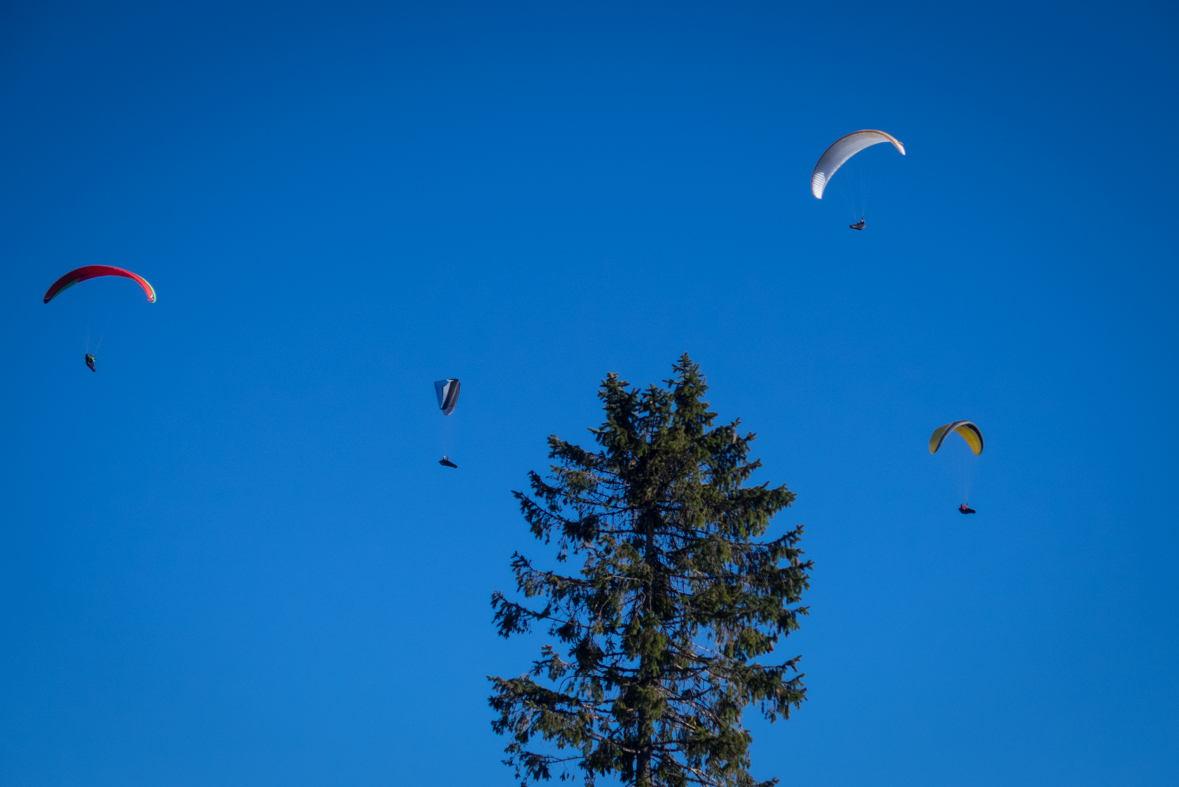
x=662 y=625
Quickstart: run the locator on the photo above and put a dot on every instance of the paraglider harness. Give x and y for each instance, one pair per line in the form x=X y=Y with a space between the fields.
x=859 y=225
x=965 y=509
x=90 y=362
x=445 y=462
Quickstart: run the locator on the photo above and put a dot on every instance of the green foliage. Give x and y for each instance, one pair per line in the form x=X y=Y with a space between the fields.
x=670 y=610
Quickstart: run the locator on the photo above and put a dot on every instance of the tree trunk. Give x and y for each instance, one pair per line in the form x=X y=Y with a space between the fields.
x=647 y=677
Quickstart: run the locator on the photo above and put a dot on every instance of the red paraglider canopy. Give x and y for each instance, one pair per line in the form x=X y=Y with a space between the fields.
x=93 y=272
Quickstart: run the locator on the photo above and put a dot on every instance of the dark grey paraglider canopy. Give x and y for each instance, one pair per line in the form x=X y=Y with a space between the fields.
x=448 y=391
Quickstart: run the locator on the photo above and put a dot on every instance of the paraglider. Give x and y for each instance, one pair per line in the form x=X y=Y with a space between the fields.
x=85 y=273
x=839 y=154
x=972 y=436
x=447 y=392
x=94 y=272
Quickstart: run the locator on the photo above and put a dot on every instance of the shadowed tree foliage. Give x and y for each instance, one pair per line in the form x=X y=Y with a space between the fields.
x=660 y=629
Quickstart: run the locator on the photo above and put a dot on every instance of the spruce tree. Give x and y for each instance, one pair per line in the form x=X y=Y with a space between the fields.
x=663 y=629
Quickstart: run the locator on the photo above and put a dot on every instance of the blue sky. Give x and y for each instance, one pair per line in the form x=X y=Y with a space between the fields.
x=230 y=557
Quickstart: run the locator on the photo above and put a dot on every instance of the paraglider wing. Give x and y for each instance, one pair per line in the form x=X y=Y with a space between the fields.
x=969 y=432
x=448 y=393
x=842 y=150
x=93 y=272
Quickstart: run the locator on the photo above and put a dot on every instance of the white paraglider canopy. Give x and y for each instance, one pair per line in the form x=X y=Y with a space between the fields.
x=843 y=149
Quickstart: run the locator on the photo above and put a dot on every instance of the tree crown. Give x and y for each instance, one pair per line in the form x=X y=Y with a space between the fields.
x=671 y=607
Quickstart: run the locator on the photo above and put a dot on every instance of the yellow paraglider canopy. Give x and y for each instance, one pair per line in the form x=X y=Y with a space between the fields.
x=970 y=433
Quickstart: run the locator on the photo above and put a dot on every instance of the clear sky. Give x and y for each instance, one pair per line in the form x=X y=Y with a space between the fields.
x=230 y=557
